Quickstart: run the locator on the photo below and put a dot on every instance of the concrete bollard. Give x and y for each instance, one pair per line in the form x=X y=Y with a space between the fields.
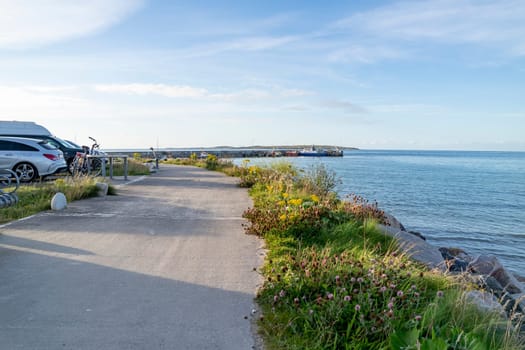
x=59 y=201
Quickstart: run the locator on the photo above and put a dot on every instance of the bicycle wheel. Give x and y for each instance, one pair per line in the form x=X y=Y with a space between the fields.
x=77 y=167
x=95 y=166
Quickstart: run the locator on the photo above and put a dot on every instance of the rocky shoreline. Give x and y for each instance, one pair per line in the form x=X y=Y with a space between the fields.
x=501 y=290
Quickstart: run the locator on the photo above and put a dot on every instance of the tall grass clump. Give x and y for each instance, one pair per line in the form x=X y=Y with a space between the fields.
x=334 y=281
x=36 y=197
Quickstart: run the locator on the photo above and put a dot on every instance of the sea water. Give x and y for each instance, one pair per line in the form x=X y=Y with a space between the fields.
x=469 y=200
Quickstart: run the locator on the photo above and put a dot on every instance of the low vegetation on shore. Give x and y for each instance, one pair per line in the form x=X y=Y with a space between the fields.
x=334 y=281
x=36 y=197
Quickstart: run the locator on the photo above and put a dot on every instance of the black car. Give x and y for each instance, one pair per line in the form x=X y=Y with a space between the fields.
x=70 y=150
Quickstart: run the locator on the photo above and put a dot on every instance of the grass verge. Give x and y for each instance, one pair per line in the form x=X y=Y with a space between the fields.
x=333 y=281
x=36 y=197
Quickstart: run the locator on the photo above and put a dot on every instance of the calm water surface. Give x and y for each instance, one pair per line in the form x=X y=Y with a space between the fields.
x=471 y=200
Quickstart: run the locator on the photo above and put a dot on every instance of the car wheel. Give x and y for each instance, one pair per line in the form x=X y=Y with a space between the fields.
x=26 y=172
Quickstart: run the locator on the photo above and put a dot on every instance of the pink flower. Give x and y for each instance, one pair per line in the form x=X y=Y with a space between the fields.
x=390 y=305
x=282 y=293
x=399 y=293
x=360 y=280
x=330 y=296
x=418 y=318
x=439 y=294
x=275 y=298
x=347 y=298
x=357 y=307
x=337 y=278
x=383 y=289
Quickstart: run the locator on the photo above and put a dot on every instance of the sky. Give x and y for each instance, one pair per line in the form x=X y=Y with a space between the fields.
x=440 y=74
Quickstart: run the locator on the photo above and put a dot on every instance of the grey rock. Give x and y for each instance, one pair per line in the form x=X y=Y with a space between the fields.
x=457 y=265
x=456 y=259
x=102 y=188
x=486 y=302
x=416 y=248
x=492 y=285
x=490 y=265
x=418 y=234
x=393 y=222
x=520 y=300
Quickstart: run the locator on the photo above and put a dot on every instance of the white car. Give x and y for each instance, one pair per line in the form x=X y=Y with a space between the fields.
x=30 y=158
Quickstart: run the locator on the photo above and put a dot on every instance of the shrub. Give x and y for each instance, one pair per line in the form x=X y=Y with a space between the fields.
x=319 y=180
x=211 y=162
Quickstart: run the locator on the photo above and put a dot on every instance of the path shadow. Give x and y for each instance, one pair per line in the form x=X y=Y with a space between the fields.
x=20 y=242
x=56 y=303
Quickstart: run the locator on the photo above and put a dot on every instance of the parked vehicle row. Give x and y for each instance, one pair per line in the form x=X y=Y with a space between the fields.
x=32 y=151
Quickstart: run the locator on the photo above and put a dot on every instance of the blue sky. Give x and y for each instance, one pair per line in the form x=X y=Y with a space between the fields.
x=445 y=74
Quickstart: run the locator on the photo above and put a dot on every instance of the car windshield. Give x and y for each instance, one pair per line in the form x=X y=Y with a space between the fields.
x=66 y=143
x=48 y=145
x=73 y=144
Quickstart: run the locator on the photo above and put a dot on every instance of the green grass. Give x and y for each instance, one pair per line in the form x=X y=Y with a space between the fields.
x=36 y=197
x=333 y=281
x=135 y=167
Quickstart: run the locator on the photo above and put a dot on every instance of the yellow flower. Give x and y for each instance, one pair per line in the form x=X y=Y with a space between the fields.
x=281 y=203
x=285 y=195
x=269 y=188
x=297 y=201
x=314 y=198
x=282 y=217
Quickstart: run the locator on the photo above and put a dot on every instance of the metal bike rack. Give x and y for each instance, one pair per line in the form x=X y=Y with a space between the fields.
x=8 y=178
x=104 y=158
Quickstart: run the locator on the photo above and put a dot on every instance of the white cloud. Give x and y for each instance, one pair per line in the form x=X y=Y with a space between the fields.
x=172 y=91
x=27 y=23
x=37 y=101
x=496 y=23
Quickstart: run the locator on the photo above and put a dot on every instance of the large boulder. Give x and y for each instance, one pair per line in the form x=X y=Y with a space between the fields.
x=416 y=248
x=486 y=302
x=490 y=265
x=391 y=221
x=457 y=260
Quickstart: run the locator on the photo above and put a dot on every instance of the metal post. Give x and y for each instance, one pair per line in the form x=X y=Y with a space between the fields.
x=103 y=161
x=111 y=167
x=125 y=167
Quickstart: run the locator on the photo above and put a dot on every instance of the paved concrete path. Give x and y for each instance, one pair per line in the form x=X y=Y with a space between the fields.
x=163 y=265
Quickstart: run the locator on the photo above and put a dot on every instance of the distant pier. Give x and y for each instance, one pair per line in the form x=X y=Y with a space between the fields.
x=231 y=152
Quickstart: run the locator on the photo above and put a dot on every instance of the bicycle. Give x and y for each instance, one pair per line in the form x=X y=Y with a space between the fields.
x=85 y=164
